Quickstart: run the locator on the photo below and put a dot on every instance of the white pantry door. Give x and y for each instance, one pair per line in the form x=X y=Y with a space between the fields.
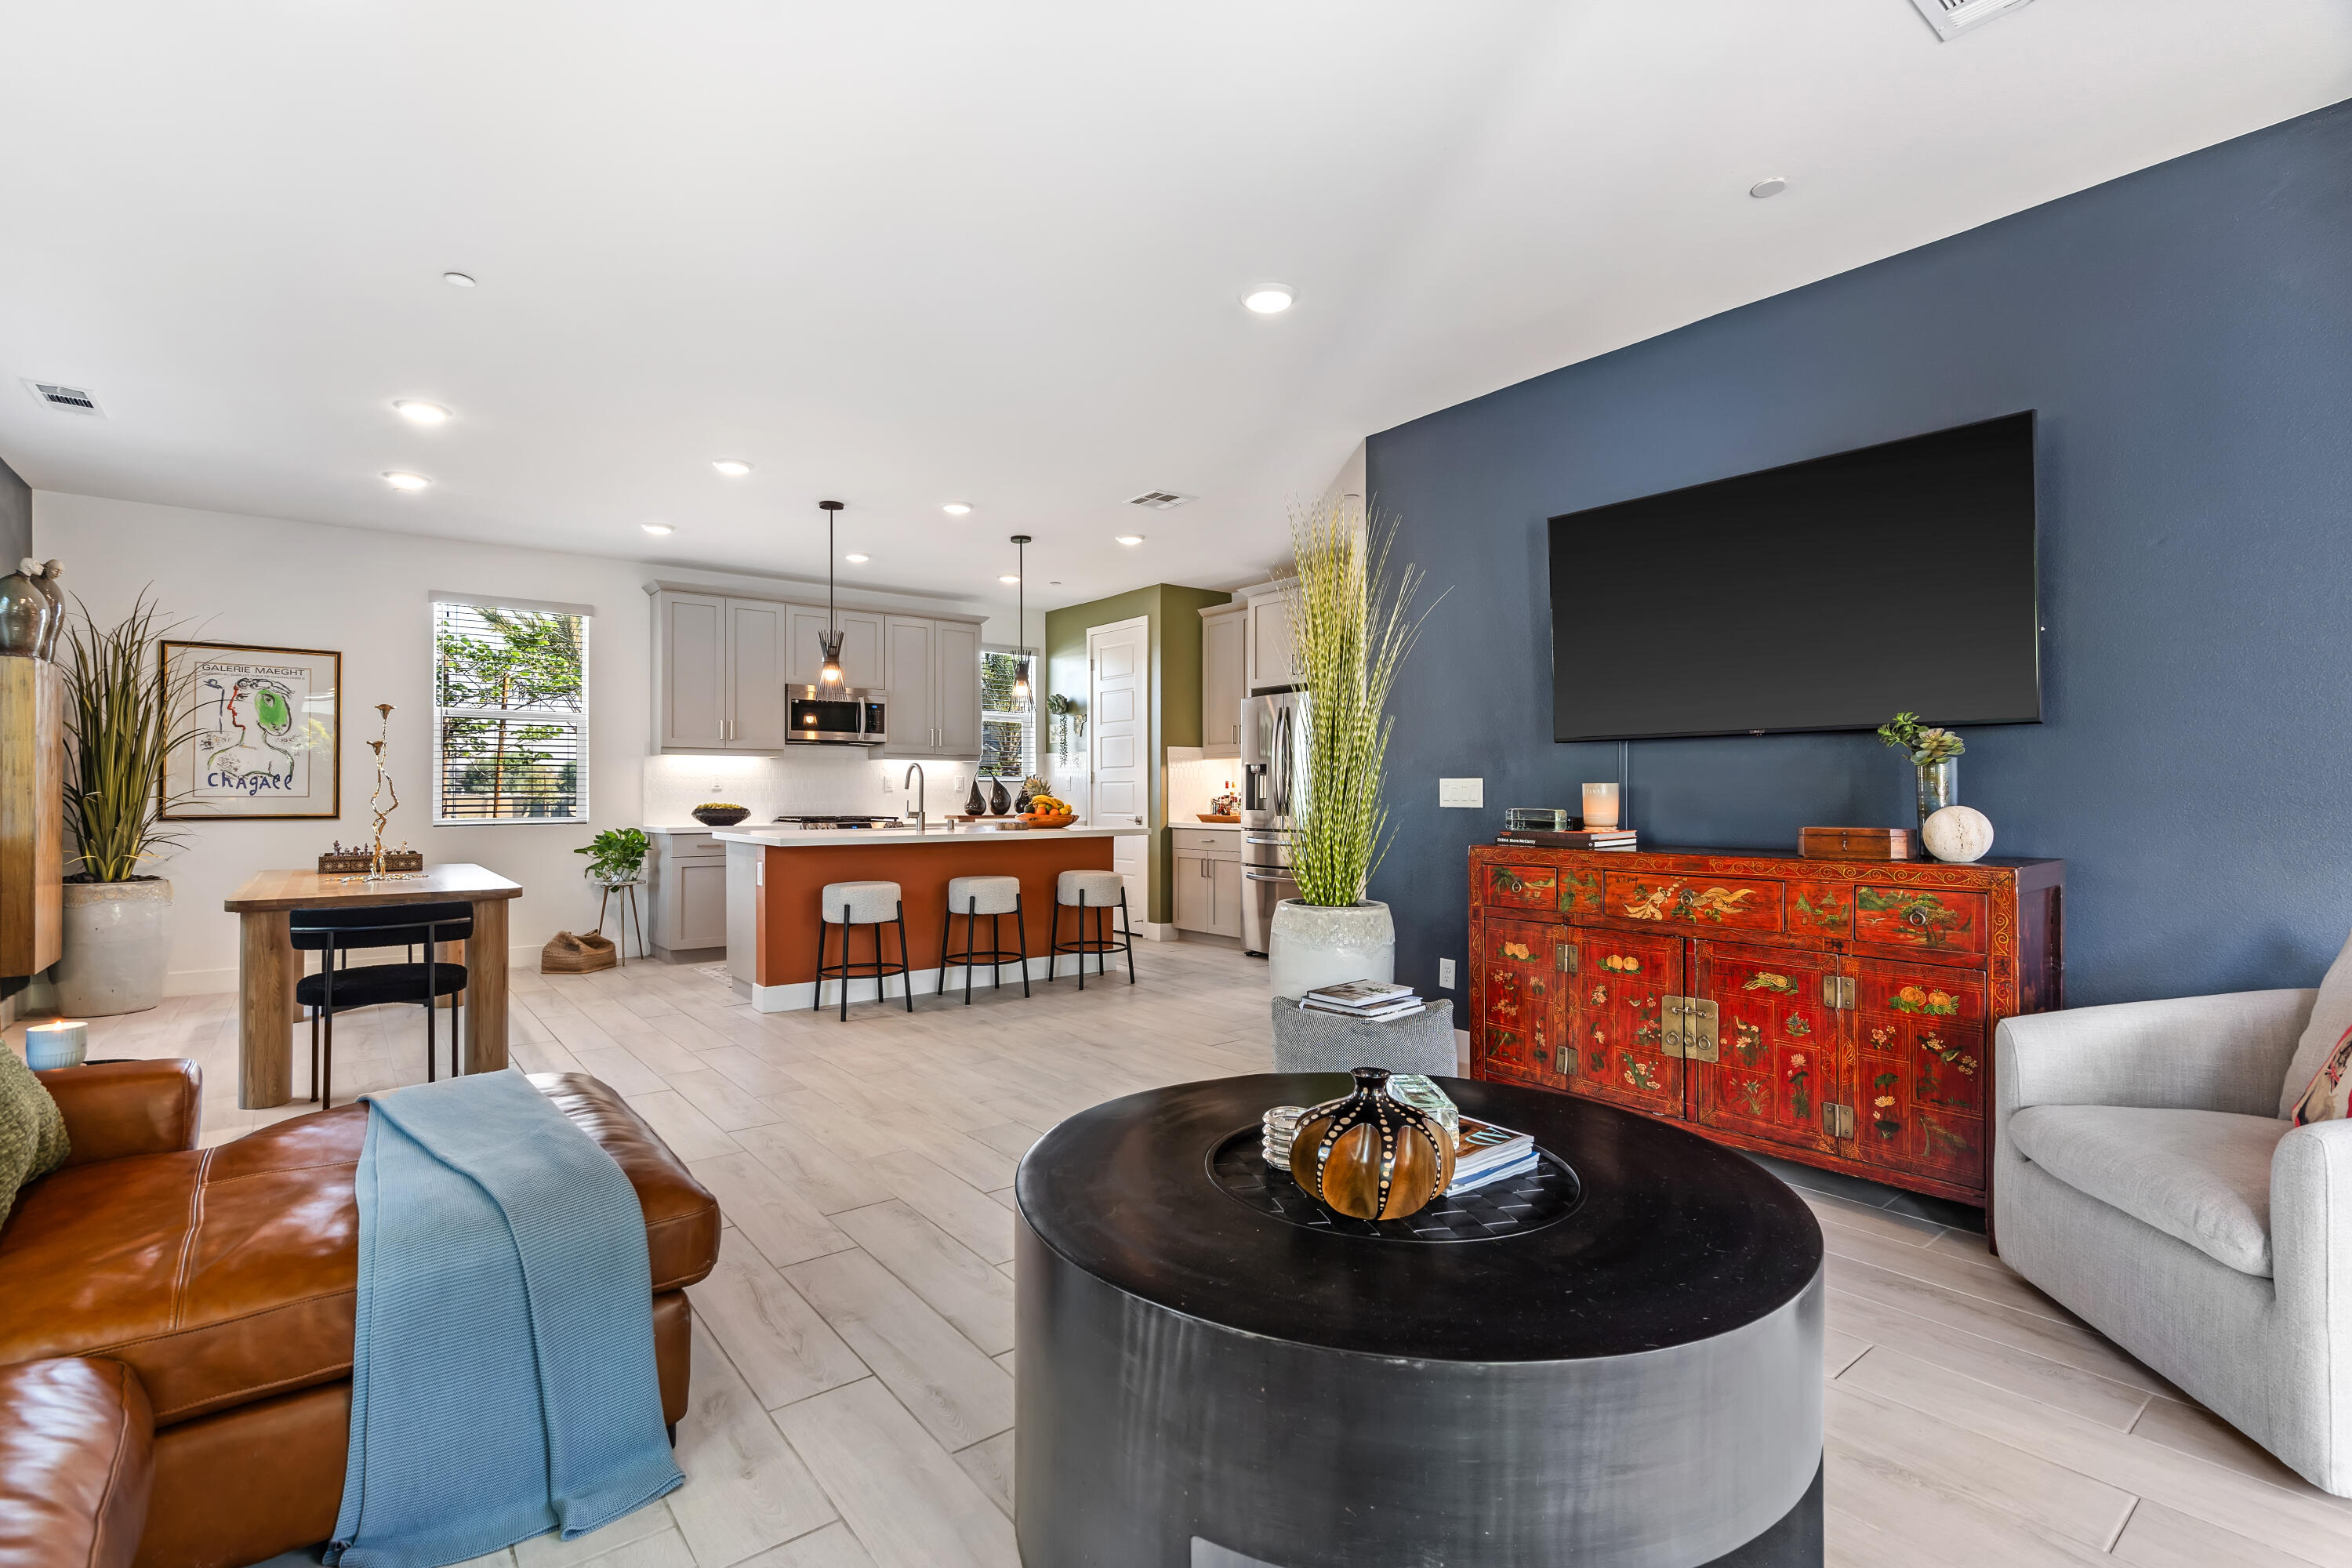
x=1118 y=761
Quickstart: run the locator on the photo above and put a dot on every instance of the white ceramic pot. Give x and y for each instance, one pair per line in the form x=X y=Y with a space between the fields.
x=118 y=939
x=1311 y=946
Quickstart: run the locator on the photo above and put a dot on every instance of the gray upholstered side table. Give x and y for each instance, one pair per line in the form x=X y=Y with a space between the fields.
x=1325 y=1042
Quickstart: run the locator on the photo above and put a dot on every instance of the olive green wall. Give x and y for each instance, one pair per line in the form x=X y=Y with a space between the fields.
x=1174 y=717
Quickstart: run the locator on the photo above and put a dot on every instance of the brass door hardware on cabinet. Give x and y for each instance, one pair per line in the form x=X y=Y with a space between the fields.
x=1563 y=957
x=1688 y=1025
x=1837 y=1121
x=1837 y=992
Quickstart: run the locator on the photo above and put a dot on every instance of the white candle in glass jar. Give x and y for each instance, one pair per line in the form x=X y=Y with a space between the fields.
x=1600 y=806
x=61 y=1044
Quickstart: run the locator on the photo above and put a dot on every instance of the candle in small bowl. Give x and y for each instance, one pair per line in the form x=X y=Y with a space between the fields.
x=62 y=1044
x=1600 y=806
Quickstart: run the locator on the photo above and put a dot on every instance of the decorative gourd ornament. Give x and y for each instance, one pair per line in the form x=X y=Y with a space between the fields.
x=1370 y=1155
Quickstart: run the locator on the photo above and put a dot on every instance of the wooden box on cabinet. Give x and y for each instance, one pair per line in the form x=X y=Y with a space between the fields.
x=1839 y=1012
x=32 y=815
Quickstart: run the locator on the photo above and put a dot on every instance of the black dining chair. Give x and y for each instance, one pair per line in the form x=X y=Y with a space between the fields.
x=335 y=934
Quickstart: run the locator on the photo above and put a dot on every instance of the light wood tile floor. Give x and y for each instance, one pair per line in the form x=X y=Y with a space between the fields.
x=853 y=1389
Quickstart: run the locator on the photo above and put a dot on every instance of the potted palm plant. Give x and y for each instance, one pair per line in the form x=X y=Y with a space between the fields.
x=120 y=727
x=1352 y=625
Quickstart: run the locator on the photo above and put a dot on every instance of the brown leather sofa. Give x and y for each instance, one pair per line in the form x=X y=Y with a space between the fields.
x=76 y=1461
x=224 y=1279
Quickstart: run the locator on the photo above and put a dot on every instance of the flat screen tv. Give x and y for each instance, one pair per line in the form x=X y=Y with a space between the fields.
x=1826 y=595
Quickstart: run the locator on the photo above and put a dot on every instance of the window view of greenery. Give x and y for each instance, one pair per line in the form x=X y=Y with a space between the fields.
x=510 y=706
x=1008 y=725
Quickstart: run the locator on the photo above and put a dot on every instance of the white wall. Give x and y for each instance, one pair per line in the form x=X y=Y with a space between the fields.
x=272 y=583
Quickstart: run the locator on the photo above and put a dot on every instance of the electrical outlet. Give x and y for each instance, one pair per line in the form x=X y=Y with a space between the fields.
x=1462 y=791
x=1445 y=975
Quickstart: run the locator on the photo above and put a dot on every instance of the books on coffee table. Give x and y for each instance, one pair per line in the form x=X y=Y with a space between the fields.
x=1484 y=1152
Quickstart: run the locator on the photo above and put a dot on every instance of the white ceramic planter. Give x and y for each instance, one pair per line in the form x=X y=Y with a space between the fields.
x=1311 y=946
x=117 y=940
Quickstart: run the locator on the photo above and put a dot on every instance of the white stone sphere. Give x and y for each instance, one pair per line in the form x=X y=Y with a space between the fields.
x=1957 y=833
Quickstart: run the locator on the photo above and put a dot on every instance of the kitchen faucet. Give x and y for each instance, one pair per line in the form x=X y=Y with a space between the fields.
x=915 y=773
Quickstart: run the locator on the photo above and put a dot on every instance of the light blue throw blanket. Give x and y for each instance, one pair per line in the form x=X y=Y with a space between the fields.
x=502 y=1381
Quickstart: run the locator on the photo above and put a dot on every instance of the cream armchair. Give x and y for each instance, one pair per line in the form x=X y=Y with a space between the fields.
x=2144 y=1177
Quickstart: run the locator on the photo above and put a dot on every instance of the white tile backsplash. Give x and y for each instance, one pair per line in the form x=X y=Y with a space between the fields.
x=1193 y=781
x=811 y=782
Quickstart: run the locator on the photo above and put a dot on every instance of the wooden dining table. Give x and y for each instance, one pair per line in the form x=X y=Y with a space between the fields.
x=267 y=965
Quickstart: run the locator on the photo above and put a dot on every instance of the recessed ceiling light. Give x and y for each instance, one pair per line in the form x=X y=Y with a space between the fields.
x=457 y=281
x=733 y=467
x=401 y=481
x=856 y=559
x=955 y=508
x=1269 y=299
x=1130 y=538
x=1008 y=580
x=421 y=413
x=1772 y=187
x=659 y=529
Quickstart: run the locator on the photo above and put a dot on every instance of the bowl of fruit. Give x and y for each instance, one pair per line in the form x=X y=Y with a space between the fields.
x=1045 y=811
x=720 y=813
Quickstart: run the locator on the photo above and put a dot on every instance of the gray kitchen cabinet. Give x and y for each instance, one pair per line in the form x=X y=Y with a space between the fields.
x=1224 y=635
x=1208 y=881
x=958 y=697
x=910 y=660
x=723 y=663
x=1268 y=653
x=688 y=896
x=755 y=676
x=862 y=663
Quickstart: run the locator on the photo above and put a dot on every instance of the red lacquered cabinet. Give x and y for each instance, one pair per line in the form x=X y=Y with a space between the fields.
x=1839 y=1012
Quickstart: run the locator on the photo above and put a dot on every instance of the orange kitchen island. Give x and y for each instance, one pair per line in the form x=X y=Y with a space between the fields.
x=774 y=876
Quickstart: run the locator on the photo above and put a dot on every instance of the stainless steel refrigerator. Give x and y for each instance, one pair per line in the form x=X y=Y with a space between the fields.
x=1273 y=742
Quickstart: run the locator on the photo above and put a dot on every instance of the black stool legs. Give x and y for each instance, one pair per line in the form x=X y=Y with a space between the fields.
x=994 y=952
x=1099 y=944
x=880 y=970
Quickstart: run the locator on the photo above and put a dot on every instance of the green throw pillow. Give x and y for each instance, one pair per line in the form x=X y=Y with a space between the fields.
x=32 y=1131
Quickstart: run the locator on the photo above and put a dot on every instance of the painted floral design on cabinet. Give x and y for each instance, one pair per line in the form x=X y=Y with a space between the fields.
x=1618 y=1019
x=1518 y=1022
x=1922 y=918
x=1920 y=1033
x=1777 y=1043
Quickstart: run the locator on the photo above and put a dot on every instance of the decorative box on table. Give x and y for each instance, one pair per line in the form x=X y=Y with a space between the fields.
x=1839 y=1012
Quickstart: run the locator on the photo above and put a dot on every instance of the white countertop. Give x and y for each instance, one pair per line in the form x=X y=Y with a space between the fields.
x=942 y=833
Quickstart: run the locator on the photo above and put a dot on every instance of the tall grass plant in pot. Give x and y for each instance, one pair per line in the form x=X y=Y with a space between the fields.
x=1353 y=625
x=119 y=729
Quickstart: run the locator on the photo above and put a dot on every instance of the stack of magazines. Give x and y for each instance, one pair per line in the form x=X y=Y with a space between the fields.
x=1485 y=1153
x=1371 y=1000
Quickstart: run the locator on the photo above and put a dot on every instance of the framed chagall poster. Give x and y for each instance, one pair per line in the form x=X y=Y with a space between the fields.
x=264 y=731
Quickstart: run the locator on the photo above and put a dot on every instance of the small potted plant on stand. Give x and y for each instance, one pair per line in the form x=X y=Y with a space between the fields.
x=1934 y=752
x=119 y=729
x=617 y=864
x=1351 y=627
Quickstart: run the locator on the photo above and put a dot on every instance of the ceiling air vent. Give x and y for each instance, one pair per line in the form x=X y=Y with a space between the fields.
x=72 y=399
x=1950 y=18
x=1159 y=501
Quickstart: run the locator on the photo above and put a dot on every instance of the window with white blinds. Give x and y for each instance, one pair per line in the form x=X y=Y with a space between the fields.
x=1008 y=725
x=510 y=715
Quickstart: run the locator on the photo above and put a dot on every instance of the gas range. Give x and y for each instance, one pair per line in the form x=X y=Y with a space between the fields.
x=839 y=824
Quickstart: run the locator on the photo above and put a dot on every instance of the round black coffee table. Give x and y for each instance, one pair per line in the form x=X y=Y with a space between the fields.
x=1620 y=1367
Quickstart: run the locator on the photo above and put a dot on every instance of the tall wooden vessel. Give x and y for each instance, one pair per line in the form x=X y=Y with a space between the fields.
x=1839 y=1012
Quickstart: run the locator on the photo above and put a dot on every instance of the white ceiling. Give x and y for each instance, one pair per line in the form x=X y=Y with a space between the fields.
x=932 y=250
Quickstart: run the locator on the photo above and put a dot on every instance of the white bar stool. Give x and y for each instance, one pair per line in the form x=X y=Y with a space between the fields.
x=973 y=897
x=848 y=904
x=1099 y=891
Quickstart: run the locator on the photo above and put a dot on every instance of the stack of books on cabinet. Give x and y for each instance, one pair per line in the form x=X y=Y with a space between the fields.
x=1369 y=1000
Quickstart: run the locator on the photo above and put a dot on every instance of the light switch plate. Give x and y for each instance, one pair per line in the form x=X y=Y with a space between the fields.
x=1445 y=975
x=1462 y=791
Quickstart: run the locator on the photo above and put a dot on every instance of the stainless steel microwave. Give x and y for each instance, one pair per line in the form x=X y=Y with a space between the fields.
x=836 y=716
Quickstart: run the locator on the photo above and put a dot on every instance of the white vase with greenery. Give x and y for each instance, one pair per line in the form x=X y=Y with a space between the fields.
x=1352 y=624
x=119 y=729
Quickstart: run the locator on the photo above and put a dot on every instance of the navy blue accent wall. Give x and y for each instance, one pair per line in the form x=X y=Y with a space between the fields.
x=2185 y=333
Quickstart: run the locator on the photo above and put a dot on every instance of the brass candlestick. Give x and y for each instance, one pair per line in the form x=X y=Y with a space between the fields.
x=383 y=786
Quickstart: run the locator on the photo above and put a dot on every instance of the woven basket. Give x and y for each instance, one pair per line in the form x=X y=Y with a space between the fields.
x=569 y=955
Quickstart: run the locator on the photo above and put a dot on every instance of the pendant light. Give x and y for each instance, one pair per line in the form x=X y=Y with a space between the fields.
x=829 y=640
x=1021 y=617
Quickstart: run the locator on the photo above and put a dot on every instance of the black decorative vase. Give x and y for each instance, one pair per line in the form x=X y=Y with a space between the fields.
x=999 y=803
x=1021 y=801
x=975 y=805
